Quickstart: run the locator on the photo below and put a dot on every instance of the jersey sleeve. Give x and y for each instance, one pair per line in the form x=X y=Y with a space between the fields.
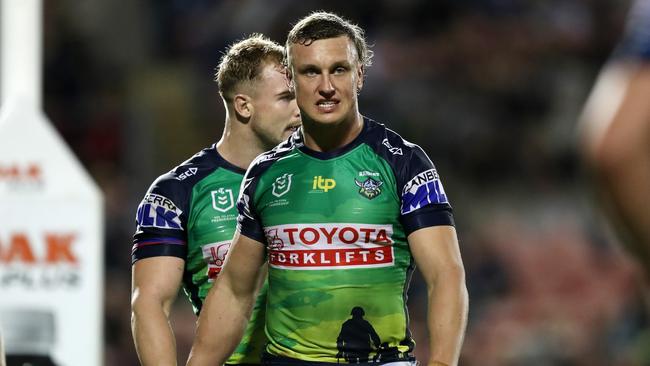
x=423 y=199
x=161 y=221
x=635 y=43
x=248 y=221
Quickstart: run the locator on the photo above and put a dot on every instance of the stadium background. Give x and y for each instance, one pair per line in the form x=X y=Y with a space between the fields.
x=491 y=89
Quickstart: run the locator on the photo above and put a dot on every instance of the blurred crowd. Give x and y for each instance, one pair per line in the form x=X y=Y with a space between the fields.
x=491 y=89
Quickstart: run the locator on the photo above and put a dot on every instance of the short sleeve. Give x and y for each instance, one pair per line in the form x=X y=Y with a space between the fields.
x=248 y=221
x=160 y=223
x=424 y=202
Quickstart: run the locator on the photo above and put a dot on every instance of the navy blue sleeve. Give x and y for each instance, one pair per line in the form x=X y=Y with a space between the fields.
x=636 y=40
x=424 y=202
x=248 y=221
x=161 y=221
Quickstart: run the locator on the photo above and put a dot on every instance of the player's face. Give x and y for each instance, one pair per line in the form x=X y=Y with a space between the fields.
x=326 y=75
x=276 y=114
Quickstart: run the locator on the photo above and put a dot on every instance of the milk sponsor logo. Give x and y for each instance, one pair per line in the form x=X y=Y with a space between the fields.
x=222 y=199
x=323 y=184
x=424 y=189
x=282 y=185
x=158 y=211
x=215 y=256
x=329 y=245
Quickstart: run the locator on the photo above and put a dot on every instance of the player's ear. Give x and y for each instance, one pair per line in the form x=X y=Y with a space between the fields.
x=360 y=74
x=289 y=78
x=243 y=106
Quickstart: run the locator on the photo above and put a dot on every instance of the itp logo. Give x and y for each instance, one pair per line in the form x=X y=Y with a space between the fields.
x=325 y=184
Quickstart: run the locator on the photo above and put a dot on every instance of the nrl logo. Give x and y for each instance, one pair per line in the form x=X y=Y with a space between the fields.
x=222 y=200
x=282 y=185
x=369 y=188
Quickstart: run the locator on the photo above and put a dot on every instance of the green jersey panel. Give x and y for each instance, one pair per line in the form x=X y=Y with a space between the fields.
x=335 y=227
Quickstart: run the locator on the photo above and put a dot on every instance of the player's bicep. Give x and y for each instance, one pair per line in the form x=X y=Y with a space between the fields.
x=157 y=279
x=436 y=252
x=243 y=265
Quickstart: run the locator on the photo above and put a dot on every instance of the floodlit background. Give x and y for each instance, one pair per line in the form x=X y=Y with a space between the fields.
x=491 y=89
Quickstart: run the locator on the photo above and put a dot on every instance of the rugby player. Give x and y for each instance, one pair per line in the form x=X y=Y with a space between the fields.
x=187 y=218
x=342 y=213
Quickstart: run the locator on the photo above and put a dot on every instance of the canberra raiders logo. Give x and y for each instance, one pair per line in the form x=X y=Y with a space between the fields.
x=282 y=185
x=222 y=199
x=369 y=188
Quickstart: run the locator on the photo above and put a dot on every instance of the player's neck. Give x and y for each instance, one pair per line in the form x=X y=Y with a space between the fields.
x=328 y=137
x=238 y=147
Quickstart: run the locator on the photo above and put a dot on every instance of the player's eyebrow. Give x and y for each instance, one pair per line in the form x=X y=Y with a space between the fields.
x=344 y=63
x=307 y=67
x=285 y=94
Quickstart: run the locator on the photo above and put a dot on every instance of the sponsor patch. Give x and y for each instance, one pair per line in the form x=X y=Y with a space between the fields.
x=215 y=256
x=369 y=188
x=424 y=189
x=367 y=173
x=393 y=150
x=282 y=185
x=323 y=184
x=158 y=211
x=222 y=199
x=188 y=173
x=329 y=245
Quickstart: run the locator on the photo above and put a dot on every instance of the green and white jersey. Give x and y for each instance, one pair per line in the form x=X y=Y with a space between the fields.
x=335 y=226
x=190 y=213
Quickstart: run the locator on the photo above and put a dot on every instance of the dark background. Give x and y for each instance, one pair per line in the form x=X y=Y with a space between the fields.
x=491 y=89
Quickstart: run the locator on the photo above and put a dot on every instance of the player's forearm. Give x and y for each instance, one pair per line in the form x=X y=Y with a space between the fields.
x=447 y=316
x=221 y=324
x=153 y=336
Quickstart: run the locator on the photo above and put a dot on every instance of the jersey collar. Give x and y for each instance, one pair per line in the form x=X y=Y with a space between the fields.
x=325 y=155
x=212 y=151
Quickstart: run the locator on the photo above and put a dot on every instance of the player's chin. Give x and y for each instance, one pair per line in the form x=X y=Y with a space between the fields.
x=289 y=130
x=328 y=119
x=285 y=135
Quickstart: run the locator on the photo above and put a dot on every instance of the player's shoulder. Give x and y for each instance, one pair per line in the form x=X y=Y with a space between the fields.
x=390 y=144
x=179 y=181
x=265 y=160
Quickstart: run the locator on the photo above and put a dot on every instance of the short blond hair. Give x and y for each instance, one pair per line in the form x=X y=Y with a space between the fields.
x=243 y=61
